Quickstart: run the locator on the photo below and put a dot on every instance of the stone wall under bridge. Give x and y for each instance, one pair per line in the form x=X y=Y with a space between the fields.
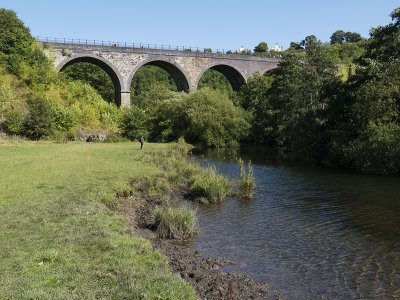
x=185 y=67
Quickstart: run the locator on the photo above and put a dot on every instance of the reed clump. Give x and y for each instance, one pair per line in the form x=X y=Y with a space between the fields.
x=175 y=222
x=247 y=181
x=210 y=185
x=204 y=183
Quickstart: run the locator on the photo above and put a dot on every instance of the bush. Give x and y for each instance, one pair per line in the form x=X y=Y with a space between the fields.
x=175 y=222
x=210 y=118
x=376 y=150
x=114 y=137
x=134 y=123
x=41 y=118
x=210 y=185
x=14 y=121
x=247 y=181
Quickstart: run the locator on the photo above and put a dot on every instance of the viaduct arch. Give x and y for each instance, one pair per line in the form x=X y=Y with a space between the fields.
x=113 y=73
x=185 y=67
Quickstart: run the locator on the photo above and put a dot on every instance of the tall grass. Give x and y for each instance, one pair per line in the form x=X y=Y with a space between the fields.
x=181 y=170
x=175 y=222
x=247 y=181
x=210 y=185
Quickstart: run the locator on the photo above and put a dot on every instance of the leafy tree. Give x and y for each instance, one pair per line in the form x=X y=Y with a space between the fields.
x=40 y=120
x=19 y=52
x=14 y=121
x=366 y=136
x=309 y=41
x=204 y=117
x=15 y=39
x=134 y=123
x=255 y=99
x=353 y=37
x=296 y=46
x=338 y=37
x=261 y=48
x=211 y=119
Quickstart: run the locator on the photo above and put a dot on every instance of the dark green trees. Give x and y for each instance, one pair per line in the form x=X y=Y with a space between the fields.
x=261 y=48
x=368 y=136
x=339 y=37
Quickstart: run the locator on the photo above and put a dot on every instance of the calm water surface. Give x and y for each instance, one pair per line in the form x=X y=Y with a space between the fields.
x=309 y=232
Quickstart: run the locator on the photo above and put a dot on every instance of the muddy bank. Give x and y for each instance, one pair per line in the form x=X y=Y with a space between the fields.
x=204 y=273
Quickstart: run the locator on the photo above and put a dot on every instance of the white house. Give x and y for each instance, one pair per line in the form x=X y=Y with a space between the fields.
x=277 y=48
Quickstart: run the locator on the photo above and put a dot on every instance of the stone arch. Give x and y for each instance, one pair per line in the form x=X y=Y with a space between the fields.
x=234 y=76
x=175 y=70
x=102 y=63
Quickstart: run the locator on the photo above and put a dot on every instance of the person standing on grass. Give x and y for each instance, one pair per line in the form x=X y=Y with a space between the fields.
x=141 y=140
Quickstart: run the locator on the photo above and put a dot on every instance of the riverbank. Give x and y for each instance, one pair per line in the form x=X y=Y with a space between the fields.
x=206 y=274
x=61 y=240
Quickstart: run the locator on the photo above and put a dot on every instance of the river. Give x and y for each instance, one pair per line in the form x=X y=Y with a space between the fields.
x=311 y=233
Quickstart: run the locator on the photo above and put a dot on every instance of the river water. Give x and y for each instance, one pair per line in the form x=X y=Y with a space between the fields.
x=311 y=233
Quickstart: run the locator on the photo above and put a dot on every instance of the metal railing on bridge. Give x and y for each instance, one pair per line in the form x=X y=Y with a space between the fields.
x=134 y=45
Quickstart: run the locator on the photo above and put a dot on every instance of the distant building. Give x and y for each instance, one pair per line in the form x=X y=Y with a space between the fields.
x=277 y=48
x=241 y=49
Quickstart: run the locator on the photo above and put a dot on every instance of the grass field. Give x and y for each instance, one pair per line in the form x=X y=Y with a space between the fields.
x=58 y=238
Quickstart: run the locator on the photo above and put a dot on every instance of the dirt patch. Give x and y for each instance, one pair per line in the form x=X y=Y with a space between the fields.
x=204 y=273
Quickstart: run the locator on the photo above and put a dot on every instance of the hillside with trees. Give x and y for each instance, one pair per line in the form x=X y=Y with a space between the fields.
x=335 y=103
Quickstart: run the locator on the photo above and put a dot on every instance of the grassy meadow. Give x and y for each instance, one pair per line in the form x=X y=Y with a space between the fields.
x=60 y=240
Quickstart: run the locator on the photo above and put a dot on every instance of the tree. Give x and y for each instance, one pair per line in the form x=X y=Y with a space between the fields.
x=19 y=51
x=353 y=37
x=309 y=41
x=338 y=37
x=295 y=46
x=367 y=136
x=41 y=117
x=255 y=98
x=261 y=48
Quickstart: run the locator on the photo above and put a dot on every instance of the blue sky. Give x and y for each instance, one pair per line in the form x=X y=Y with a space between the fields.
x=204 y=23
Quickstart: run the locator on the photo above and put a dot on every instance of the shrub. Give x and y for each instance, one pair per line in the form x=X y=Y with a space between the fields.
x=247 y=181
x=175 y=222
x=134 y=123
x=210 y=118
x=115 y=137
x=41 y=117
x=210 y=185
x=14 y=121
x=65 y=118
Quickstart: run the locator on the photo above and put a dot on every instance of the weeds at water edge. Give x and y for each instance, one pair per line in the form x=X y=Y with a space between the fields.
x=175 y=222
x=247 y=181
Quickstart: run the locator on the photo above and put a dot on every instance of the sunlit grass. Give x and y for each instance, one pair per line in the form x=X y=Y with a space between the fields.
x=175 y=222
x=247 y=181
x=58 y=238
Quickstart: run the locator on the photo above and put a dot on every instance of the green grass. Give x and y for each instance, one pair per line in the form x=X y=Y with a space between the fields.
x=210 y=185
x=247 y=181
x=58 y=238
x=205 y=183
x=175 y=222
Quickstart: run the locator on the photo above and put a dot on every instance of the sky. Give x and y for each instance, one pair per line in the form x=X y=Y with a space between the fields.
x=216 y=24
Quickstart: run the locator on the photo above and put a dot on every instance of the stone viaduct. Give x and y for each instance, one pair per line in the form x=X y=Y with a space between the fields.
x=185 y=67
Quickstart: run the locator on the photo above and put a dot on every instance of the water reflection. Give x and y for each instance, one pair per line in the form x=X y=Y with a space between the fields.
x=309 y=232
